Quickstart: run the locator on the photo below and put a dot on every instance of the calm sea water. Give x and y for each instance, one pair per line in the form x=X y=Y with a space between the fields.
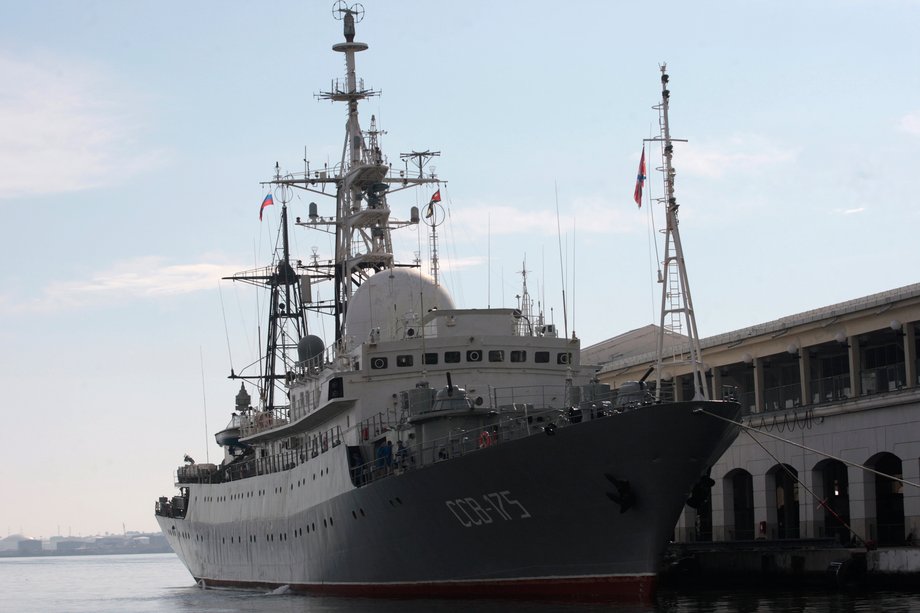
x=155 y=583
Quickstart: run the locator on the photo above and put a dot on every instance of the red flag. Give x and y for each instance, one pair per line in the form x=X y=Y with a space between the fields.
x=640 y=179
x=435 y=197
x=268 y=201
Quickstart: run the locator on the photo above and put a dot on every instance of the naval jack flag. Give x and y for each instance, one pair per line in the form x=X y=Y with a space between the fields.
x=435 y=197
x=640 y=180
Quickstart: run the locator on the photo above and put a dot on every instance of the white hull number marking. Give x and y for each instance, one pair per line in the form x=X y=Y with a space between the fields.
x=495 y=506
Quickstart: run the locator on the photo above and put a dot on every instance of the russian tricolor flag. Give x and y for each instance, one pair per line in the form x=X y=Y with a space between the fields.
x=267 y=201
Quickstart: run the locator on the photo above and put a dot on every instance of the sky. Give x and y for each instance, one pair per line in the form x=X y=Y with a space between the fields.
x=134 y=137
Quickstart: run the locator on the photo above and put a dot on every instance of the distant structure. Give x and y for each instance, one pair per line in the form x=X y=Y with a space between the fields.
x=843 y=381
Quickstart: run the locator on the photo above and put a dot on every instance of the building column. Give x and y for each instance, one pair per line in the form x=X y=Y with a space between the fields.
x=808 y=510
x=761 y=513
x=716 y=383
x=855 y=367
x=910 y=471
x=805 y=376
x=685 y=531
x=717 y=496
x=910 y=354
x=862 y=511
x=758 y=385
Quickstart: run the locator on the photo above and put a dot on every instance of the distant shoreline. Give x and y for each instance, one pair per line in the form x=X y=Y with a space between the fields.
x=88 y=551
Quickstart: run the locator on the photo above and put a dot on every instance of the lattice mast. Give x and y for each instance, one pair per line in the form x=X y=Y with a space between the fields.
x=362 y=181
x=677 y=316
x=287 y=318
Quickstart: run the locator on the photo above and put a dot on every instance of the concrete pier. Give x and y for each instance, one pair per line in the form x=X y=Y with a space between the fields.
x=793 y=562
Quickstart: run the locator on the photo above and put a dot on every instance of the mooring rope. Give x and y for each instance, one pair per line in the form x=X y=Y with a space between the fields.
x=806 y=448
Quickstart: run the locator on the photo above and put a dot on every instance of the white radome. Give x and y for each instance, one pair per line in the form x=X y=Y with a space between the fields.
x=393 y=302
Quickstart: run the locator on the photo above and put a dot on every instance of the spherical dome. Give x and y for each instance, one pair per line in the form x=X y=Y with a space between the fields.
x=309 y=347
x=393 y=301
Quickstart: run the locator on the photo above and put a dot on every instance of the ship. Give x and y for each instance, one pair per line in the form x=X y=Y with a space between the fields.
x=428 y=450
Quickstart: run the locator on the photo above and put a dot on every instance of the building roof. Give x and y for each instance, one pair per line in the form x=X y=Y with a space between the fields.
x=626 y=345
x=879 y=302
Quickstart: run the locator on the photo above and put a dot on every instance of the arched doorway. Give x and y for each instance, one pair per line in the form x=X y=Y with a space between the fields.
x=739 y=509
x=785 y=492
x=832 y=485
x=889 y=500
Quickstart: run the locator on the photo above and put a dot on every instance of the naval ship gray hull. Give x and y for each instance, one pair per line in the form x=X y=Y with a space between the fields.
x=585 y=511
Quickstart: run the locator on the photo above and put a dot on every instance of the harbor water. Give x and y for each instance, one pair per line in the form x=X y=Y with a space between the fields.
x=159 y=582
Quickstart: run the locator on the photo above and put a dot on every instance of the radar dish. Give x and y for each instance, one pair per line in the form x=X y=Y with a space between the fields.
x=341 y=8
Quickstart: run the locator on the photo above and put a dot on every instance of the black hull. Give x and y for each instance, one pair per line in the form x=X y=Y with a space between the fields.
x=542 y=515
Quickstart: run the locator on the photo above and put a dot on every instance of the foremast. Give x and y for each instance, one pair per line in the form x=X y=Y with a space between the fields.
x=287 y=322
x=676 y=303
x=362 y=181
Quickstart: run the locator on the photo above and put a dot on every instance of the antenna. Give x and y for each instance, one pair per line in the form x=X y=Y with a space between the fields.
x=420 y=159
x=565 y=315
x=676 y=304
x=204 y=404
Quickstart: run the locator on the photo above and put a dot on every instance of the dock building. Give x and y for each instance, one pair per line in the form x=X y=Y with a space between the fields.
x=832 y=397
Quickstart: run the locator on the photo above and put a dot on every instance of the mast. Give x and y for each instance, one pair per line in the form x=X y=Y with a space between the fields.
x=420 y=159
x=362 y=180
x=287 y=322
x=677 y=316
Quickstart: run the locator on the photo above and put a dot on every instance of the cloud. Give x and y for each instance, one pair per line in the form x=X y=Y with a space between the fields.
x=65 y=127
x=738 y=154
x=145 y=278
x=910 y=123
x=852 y=211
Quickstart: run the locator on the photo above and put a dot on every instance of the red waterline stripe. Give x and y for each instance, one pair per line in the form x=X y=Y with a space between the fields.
x=622 y=587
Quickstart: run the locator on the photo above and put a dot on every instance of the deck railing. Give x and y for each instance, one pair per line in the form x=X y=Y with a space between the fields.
x=516 y=420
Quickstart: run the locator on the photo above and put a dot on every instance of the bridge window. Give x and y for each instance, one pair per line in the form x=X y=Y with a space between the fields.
x=518 y=355
x=430 y=358
x=496 y=355
x=541 y=357
x=404 y=360
x=336 y=387
x=451 y=357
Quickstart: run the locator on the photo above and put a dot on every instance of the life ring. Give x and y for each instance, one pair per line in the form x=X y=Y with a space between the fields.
x=485 y=439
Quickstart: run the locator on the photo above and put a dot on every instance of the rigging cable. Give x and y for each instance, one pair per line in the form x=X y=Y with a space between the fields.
x=223 y=313
x=653 y=241
x=795 y=478
x=204 y=399
x=806 y=448
x=565 y=315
